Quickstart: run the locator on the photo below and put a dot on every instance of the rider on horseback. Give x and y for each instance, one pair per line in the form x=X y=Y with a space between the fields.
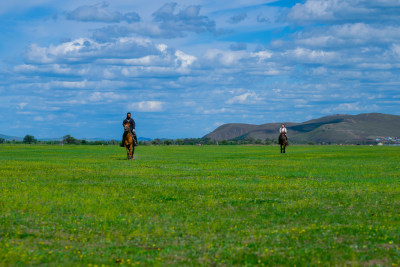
x=131 y=129
x=283 y=130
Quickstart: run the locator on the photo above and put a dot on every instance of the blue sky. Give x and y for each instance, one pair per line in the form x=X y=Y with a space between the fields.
x=183 y=68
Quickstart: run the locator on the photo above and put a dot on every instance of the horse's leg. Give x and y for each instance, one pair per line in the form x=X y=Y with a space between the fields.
x=133 y=150
x=281 y=148
x=127 y=151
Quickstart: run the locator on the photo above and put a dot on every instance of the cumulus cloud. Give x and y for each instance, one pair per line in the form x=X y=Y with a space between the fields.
x=117 y=59
x=98 y=13
x=174 y=24
x=168 y=22
x=348 y=35
x=334 y=11
x=235 y=58
x=86 y=49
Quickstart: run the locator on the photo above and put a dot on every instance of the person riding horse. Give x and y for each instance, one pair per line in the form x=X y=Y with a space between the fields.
x=283 y=130
x=131 y=129
x=283 y=140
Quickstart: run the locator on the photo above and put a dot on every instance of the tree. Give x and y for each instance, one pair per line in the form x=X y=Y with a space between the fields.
x=28 y=139
x=179 y=142
x=156 y=141
x=68 y=139
x=2 y=140
x=168 y=142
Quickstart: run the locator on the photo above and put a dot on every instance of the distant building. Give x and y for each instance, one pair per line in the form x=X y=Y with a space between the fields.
x=388 y=140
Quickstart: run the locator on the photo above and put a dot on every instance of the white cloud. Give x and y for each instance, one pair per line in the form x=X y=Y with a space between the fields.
x=346 y=35
x=147 y=106
x=184 y=60
x=325 y=10
x=226 y=58
x=38 y=118
x=22 y=105
x=235 y=59
x=349 y=107
x=105 y=97
x=395 y=50
x=262 y=55
x=25 y=68
x=246 y=98
x=48 y=117
x=344 y=11
x=70 y=84
x=305 y=55
x=213 y=111
x=122 y=57
x=85 y=50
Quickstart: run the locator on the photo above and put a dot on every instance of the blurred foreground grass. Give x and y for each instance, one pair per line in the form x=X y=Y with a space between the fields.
x=185 y=205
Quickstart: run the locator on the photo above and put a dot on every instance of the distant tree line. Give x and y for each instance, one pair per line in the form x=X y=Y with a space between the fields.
x=208 y=141
x=70 y=140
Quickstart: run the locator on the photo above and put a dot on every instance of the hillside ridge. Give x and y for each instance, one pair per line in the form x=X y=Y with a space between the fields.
x=339 y=128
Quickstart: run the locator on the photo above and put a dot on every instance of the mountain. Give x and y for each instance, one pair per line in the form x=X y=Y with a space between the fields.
x=10 y=138
x=329 y=129
x=144 y=139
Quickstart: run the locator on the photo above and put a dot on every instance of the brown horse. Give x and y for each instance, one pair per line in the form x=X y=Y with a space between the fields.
x=283 y=142
x=129 y=143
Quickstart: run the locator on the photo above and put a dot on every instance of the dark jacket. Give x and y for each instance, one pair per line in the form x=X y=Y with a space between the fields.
x=131 y=123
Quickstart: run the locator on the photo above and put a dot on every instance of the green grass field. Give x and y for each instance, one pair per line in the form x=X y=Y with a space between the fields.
x=210 y=205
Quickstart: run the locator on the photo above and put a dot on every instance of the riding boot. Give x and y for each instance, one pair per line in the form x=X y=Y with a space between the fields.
x=123 y=141
x=135 y=142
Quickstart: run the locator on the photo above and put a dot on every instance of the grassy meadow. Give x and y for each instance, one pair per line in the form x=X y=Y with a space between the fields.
x=209 y=205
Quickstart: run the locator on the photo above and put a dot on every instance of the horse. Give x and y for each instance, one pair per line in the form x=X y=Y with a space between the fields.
x=129 y=142
x=283 y=142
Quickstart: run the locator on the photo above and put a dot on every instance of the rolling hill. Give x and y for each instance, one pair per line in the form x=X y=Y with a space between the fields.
x=10 y=138
x=346 y=129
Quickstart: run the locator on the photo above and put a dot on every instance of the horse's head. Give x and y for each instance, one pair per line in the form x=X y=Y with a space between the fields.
x=126 y=127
